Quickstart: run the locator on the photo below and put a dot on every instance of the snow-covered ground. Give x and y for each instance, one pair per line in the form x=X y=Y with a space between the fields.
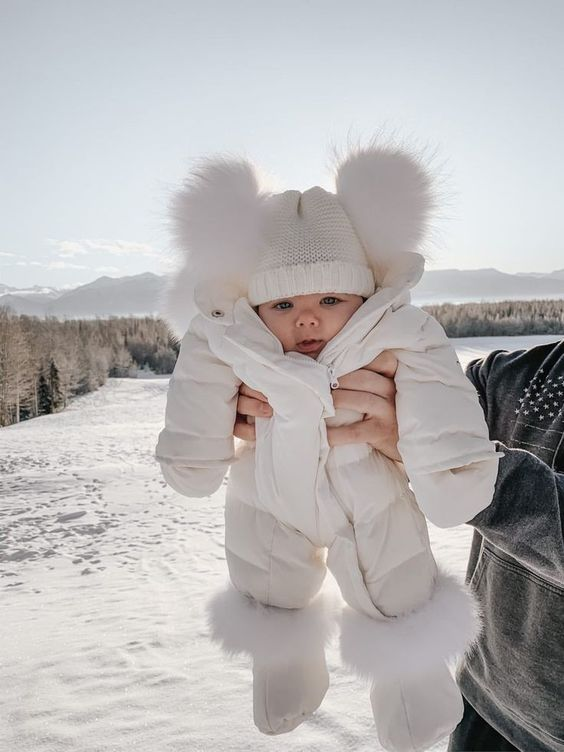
x=104 y=576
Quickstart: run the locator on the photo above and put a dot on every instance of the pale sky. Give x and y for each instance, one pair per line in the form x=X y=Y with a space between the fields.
x=105 y=103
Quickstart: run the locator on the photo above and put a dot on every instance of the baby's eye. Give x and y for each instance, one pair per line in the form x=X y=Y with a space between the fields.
x=330 y=300
x=283 y=305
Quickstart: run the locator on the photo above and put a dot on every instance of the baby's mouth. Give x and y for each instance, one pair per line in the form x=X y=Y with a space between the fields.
x=309 y=345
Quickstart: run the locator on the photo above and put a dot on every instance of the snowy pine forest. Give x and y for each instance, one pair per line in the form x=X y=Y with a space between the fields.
x=44 y=363
x=508 y=318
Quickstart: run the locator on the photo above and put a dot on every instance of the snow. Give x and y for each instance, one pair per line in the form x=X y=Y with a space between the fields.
x=468 y=348
x=105 y=573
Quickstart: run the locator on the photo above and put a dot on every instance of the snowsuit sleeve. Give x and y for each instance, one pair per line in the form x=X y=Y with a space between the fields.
x=443 y=437
x=526 y=516
x=196 y=446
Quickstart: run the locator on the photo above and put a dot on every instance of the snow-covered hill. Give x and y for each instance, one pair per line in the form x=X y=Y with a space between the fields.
x=104 y=576
x=140 y=293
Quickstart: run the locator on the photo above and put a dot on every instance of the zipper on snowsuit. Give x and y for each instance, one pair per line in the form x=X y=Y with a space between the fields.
x=333 y=382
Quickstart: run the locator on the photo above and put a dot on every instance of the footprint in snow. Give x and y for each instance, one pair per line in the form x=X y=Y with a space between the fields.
x=70 y=516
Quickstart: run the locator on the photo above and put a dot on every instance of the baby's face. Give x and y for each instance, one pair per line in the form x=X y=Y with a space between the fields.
x=305 y=323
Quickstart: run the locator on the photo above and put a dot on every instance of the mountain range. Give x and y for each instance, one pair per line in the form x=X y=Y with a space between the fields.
x=475 y=285
x=139 y=295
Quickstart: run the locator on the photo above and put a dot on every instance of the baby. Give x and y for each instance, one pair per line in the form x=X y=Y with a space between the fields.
x=306 y=324
x=292 y=291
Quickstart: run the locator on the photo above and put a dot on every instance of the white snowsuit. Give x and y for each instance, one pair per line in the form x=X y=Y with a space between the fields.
x=291 y=496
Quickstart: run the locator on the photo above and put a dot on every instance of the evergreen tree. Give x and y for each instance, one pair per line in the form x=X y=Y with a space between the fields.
x=44 y=396
x=55 y=387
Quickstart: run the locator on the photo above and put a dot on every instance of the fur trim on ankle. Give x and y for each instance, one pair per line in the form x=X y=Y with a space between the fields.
x=440 y=630
x=242 y=625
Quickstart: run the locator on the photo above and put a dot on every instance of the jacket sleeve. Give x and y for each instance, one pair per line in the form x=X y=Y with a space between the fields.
x=196 y=445
x=443 y=437
x=526 y=516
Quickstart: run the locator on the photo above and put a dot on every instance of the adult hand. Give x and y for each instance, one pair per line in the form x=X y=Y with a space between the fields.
x=253 y=404
x=370 y=390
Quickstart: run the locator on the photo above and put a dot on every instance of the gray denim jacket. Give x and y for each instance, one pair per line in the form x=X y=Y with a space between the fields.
x=515 y=676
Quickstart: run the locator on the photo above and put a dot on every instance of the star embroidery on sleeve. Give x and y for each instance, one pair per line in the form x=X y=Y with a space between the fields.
x=540 y=399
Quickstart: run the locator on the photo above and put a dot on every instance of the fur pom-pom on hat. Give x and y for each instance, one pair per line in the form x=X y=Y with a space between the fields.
x=216 y=217
x=215 y=221
x=389 y=197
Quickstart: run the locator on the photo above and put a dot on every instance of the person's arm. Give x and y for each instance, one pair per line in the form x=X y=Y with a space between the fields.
x=196 y=446
x=526 y=516
x=448 y=456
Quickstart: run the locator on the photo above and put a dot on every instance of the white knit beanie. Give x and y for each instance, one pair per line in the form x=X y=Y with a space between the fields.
x=310 y=247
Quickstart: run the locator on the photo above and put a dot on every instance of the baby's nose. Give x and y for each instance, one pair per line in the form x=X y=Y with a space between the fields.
x=307 y=319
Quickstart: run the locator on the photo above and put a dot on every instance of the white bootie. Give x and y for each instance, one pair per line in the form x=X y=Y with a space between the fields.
x=287 y=647
x=285 y=695
x=413 y=714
